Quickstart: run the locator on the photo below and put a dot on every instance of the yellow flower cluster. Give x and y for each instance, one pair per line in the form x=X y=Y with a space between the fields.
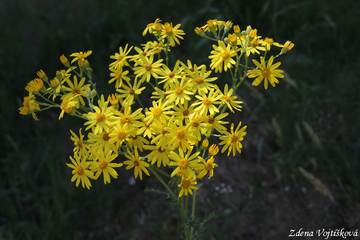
x=235 y=47
x=161 y=117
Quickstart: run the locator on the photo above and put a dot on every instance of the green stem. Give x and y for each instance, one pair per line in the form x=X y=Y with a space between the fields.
x=161 y=180
x=193 y=210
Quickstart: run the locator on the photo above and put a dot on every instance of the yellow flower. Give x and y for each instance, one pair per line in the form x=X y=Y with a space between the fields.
x=121 y=58
x=170 y=76
x=287 y=46
x=179 y=92
x=68 y=105
x=172 y=34
x=35 y=85
x=128 y=92
x=147 y=68
x=222 y=57
x=100 y=142
x=64 y=60
x=77 y=89
x=216 y=122
x=182 y=136
x=158 y=155
x=185 y=163
x=120 y=133
x=232 y=140
x=139 y=165
x=265 y=72
x=100 y=119
x=207 y=102
x=187 y=186
x=79 y=144
x=230 y=99
x=80 y=57
x=118 y=76
x=201 y=80
x=153 y=28
x=126 y=116
x=207 y=167
x=30 y=106
x=80 y=171
x=159 y=111
x=213 y=150
x=105 y=166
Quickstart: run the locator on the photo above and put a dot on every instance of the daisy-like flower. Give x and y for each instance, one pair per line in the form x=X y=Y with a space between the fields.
x=153 y=28
x=207 y=102
x=232 y=140
x=182 y=136
x=68 y=105
x=100 y=119
x=81 y=171
x=172 y=33
x=179 y=92
x=169 y=76
x=159 y=155
x=128 y=92
x=287 y=46
x=159 y=111
x=79 y=144
x=30 y=106
x=207 y=167
x=146 y=68
x=118 y=75
x=35 y=85
x=80 y=57
x=187 y=186
x=135 y=162
x=266 y=72
x=185 y=163
x=230 y=99
x=216 y=122
x=120 y=58
x=77 y=89
x=120 y=133
x=201 y=80
x=104 y=165
x=222 y=57
x=126 y=116
x=100 y=142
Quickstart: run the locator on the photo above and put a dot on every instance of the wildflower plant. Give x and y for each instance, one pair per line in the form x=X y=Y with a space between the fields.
x=177 y=132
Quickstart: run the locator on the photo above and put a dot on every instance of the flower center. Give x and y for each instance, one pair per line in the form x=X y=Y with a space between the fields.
x=207 y=102
x=148 y=67
x=199 y=80
x=211 y=120
x=156 y=111
x=181 y=134
x=131 y=91
x=106 y=137
x=186 y=183
x=103 y=165
x=136 y=163
x=225 y=55
x=171 y=74
x=179 y=90
x=80 y=171
x=266 y=73
x=234 y=139
x=121 y=135
x=183 y=163
x=186 y=112
x=100 y=117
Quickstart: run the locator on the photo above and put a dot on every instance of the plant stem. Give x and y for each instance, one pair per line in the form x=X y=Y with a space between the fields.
x=161 y=180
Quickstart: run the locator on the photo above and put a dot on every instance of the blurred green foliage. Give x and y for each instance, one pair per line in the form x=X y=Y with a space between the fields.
x=310 y=121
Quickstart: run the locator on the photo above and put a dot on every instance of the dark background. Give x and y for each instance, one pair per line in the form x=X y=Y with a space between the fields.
x=310 y=121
